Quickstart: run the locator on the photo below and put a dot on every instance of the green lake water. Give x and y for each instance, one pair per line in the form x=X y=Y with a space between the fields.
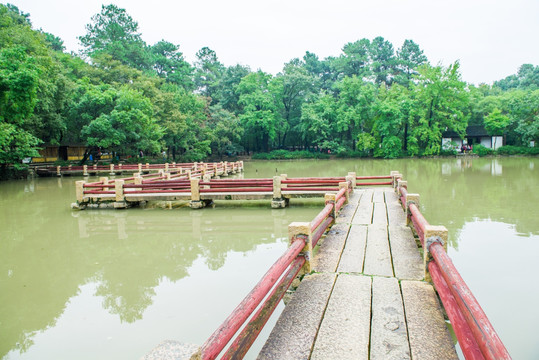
x=112 y=284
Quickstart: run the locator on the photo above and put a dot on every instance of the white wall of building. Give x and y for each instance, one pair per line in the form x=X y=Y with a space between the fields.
x=497 y=141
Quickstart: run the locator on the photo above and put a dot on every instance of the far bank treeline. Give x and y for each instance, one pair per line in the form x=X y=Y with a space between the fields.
x=123 y=95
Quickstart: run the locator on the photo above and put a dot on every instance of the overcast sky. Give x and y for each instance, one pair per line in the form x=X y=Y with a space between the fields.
x=490 y=38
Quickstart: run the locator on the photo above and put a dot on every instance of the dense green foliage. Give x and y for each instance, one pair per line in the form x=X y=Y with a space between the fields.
x=125 y=96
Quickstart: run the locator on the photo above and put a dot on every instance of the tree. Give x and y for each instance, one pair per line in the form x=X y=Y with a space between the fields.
x=183 y=117
x=259 y=116
x=290 y=88
x=524 y=113
x=225 y=90
x=226 y=131
x=18 y=96
x=495 y=123
x=114 y=32
x=129 y=127
x=354 y=60
x=168 y=63
x=391 y=121
x=440 y=104
x=319 y=70
x=208 y=71
x=54 y=42
x=382 y=58
x=527 y=77
x=409 y=58
x=318 y=123
x=354 y=113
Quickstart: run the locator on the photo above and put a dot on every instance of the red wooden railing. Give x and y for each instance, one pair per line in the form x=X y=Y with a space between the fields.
x=281 y=273
x=475 y=334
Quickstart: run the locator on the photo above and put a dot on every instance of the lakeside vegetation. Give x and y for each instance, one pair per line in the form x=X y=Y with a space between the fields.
x=123 y=95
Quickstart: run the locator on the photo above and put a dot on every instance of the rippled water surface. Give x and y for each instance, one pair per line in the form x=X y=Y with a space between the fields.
x=112 y=284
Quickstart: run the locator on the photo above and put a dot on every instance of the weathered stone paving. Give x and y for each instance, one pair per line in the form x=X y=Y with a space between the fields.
x=367 y=298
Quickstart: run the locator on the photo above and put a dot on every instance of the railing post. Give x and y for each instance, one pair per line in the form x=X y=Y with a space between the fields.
x=58 y=171
x=396 y=180
x=140 y=168
x=79 y=190
x=147 y=166
x=433 y=233
x=277 y=202
x=105 y=181
x=225 y=168
x=137 y=180
x=401 y=184
x=120 y=198
x=346 y=193
x=350 y=180
x=206 y=178
x=296 y=229
x=195 y=202
x=411 y=199
x=354 y=179
x=85 y=170
x=120 y=167
x=395 y=175
x=330 y=199
x=111 y=169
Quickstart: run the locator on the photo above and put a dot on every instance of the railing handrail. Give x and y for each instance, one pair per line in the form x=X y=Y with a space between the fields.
x=488 y=340
x=218 y=340
x=222 y=336
x=474 y=331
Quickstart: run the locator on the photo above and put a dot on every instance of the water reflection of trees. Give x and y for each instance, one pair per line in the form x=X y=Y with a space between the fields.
x=127 y=253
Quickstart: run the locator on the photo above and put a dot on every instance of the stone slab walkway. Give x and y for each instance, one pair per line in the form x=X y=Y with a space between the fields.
x=367 y=298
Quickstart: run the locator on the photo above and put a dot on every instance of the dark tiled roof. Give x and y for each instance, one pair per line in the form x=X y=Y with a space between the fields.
x=471 y=131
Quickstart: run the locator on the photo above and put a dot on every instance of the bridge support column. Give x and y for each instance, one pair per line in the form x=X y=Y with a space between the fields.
x=79 y=189
x=302 y=230
x=195 y=202
x=433 y=234
x=120 y=198
x=278 y=201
